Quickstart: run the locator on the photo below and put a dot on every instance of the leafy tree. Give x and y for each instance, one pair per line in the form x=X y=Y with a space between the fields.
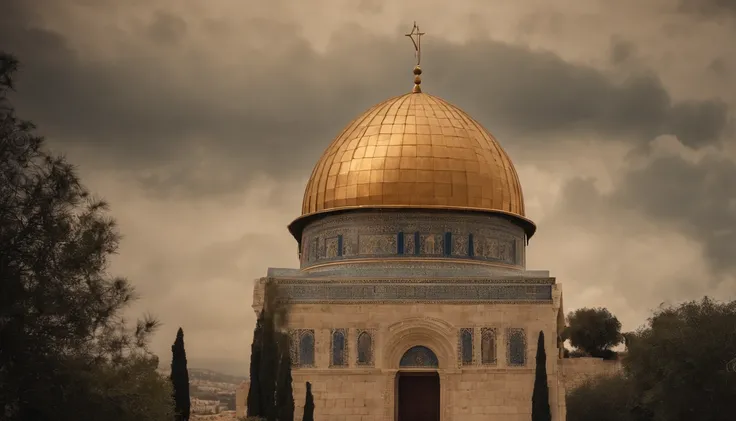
x=679 y=362
x=594 y=331
x=254 y=396
x=605 y=398
x=308 y=404
x=540 y=396
x=66 y=352
x=180 y=378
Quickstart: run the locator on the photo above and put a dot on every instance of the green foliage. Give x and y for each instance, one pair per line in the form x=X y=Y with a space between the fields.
x=67 y=353
x=180 y=378
x=605 y=398
x=680 y=362
x=594 y=331
x=540 y=396
x=308 y=405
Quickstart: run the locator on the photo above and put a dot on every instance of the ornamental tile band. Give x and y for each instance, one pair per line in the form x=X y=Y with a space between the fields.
x=333 y=293
x=377 y=235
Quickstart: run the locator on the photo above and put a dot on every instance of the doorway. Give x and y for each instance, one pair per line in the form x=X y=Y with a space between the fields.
x=418 y=396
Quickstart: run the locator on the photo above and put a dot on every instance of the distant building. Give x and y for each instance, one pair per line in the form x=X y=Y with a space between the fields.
x=203 y=406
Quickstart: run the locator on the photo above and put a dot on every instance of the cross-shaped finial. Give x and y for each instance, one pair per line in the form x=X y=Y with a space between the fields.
x=417 y=42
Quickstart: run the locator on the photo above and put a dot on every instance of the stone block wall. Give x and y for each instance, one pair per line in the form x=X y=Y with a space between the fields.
x=356 y=393
x=349 y=396
x=575 y=371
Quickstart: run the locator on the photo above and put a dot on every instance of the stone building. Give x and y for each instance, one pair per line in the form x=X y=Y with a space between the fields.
x=412 y=300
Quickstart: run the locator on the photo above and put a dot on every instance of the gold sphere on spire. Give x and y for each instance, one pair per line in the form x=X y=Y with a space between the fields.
x=417 y=79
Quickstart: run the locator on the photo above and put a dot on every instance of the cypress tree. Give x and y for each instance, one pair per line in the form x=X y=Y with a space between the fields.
x=267 y=373
x=540 y=397
x=308 y=404
x=285 y=393
x=254 y=408
x=180 y=378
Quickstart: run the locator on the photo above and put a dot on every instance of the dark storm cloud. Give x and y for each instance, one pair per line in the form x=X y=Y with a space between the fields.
x=698 y=198
x=694 y=198
x=708 y=8
x=167 y=28
x=621 y=51
x=281 y=107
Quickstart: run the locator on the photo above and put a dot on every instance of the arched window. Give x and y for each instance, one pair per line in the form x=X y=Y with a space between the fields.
x=339 y=348
x=516 y=351
x=488 y=346
x=466 y=346
x=306 y=348
x=365 y=348
x=419 y=356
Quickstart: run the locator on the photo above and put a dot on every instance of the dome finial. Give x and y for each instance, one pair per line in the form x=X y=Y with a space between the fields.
x=418 y=52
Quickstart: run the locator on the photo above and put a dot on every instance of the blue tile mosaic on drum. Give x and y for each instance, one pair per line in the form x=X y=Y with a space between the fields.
x=366 y=235
x=407 y=270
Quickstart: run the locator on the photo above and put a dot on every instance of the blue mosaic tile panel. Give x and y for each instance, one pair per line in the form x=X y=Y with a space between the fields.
x=302 y=347
x=460 y=246
x=350 y=245
x=312 y=247
x=367 y=234
x=321 y=248
x=377 y=244
x=409 y=244
x=420 y=292
x=431 y=244
x=495 y=249
x=331 y=247
x=339 y=348
x=515 y=347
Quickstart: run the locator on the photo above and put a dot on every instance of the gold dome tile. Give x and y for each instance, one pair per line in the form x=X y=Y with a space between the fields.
x=414 y=151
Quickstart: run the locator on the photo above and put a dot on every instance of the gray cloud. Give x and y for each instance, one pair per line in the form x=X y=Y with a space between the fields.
x=708 y=8
x=622 y=51
x=163 y=109
x=697 y=198
x=139 y=114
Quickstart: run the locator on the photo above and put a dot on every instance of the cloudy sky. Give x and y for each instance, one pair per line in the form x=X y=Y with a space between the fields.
x=199 y=121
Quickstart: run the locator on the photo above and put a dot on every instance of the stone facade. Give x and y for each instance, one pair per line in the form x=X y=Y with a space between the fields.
x=386 y=295
x=571 y=373
x=470 y=390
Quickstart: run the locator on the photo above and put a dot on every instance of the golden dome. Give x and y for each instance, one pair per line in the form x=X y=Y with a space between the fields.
x=415 y=151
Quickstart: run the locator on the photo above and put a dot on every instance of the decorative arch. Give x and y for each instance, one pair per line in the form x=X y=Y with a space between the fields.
x=338 y=355
x=306 y=348
x=365 y=348
x=437 y=335
x=419 y=357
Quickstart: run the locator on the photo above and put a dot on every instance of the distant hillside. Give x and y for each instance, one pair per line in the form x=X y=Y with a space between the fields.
x=203 y=374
